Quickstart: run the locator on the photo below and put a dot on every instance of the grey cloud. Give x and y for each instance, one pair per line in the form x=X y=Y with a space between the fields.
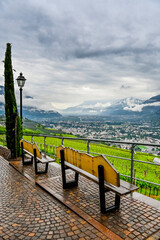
x=139 y=107
x=1 y=90
x=125 y=87
x=93 y=46
x=29 y=97
x=121 y=51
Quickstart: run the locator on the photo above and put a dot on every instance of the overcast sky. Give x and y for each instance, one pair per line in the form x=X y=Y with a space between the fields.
x=71 y=51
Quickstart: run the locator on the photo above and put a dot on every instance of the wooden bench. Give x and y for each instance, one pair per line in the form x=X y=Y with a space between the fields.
x=97 y=169
x=33 y=150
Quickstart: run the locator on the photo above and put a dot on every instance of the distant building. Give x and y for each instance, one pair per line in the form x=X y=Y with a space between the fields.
x=156 y=160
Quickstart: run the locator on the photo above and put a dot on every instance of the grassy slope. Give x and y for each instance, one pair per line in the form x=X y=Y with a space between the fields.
x=143 y=171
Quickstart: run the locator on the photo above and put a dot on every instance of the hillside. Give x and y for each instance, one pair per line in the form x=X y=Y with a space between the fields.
x=146 y=172
x=143 y=171
x=32 y=127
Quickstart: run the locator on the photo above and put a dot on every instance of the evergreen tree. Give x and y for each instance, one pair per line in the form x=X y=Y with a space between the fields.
x=13 y=121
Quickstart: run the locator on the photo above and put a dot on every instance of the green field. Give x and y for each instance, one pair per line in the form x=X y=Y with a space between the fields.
x=143 y=171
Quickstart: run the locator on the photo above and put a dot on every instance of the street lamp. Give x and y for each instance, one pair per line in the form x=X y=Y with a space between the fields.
x=21 y=81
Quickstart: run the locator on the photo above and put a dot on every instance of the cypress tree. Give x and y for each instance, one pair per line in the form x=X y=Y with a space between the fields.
x=13 y=121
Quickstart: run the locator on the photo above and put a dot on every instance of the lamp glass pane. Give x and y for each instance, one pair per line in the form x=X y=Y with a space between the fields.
x=18 y=81
x=22 y=83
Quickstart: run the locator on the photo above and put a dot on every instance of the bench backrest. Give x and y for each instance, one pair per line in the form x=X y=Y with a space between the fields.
x=30 y=148
x=38 y=151
x=90 y=164
x=27 y=146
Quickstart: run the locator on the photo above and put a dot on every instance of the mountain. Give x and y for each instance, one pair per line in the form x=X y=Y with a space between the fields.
x=123 y=107
x=1 y=90
x=38 y=114
x=86 y=108
x=127 y=108
x=103 y=108
x=1 y=108
x=153 y=99
x=152 y=107
x=34 y=113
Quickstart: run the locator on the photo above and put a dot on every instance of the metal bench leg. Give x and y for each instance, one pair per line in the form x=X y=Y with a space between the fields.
x=35 y=161
x=117 y=201
x=63 y=170
x=102 y=191
x=36 y=165
x=46 y=168
x=76 y=177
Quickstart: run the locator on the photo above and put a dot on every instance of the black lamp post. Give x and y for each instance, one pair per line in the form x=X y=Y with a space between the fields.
x=21 y=81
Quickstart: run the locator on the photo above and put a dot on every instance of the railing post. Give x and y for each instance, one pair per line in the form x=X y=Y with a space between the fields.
x=44 y=145
x=31 y=139
x=62 y=141
x=132 y=161
x=88 y=146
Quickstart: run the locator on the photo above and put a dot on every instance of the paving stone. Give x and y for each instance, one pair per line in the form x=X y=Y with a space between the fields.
x=134 y=220
x=24 y=205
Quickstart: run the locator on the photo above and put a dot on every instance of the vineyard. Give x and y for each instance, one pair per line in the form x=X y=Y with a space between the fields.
x=144 y=171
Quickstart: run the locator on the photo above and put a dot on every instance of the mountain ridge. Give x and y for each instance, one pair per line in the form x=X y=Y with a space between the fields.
x=131 y=107
x=31 y=112
x=125 y=108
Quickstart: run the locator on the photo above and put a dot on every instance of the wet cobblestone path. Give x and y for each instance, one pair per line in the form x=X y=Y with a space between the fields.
x=27 y=212
x=134 y=220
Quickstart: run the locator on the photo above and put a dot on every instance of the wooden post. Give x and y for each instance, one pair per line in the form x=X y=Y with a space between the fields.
x=145 y=173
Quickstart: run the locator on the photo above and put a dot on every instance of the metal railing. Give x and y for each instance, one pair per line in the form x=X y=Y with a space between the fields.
x=104 y=141
x=88 y=143
x=3 y=138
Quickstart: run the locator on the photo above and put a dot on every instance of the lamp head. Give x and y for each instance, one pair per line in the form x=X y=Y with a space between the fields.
x=21 y=80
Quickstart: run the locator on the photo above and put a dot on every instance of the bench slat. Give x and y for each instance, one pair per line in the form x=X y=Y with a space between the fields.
x=122 y=190
x=43 y=159
x=46 y=159
x=128 y=185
